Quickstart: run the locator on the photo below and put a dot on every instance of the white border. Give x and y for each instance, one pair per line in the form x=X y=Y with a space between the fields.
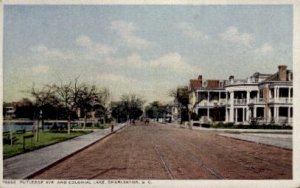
x=190 y=183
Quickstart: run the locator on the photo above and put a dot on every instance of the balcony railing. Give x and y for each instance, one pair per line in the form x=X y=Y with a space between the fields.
x=218 y=102
x=240 y=101
x=283 y=120
x=281 y=100
x=257 y=101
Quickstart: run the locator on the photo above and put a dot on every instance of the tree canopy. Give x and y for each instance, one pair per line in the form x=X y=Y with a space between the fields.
x=129 y=107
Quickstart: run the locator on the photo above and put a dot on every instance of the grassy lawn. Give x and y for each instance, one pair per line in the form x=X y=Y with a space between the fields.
x=99 y=126
x=45 y=139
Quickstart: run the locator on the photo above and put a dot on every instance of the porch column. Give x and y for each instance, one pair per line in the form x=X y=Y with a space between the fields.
x=226 y=114
x=207 y=113
x=276 y=114
x=226 y=94
x=277 y=94
x=289 y=95
x=248 y=97
x=243 y=119
x=208 y=96
x=231 y=112
x=254 y=112
x=269 y=114
x=289 y=114
x=247 y=109
x=235 y=115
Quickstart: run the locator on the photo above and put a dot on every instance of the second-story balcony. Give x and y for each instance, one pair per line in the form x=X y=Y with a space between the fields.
x=257 y=101
x=211 y=103
x=240 y=102
x=283 y=100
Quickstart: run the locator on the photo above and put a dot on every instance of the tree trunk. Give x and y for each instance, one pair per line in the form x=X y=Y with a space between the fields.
x=190 y=121
x=42 y=124
x=84 y=121
x=69 y=124
x=37 y=130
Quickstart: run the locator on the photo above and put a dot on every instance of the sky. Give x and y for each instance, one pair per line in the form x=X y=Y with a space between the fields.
x=147 y=50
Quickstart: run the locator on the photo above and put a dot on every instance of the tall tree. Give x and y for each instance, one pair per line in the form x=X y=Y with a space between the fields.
x=68 y=94
x=133 y=105
x=130 y=107
x=181 y=95
x=156 y=110
x=90 y=98
x=25 y=109
x=42 y=97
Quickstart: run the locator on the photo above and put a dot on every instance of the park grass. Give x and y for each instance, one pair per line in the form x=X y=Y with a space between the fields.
x=45 y=139
x=96 y=126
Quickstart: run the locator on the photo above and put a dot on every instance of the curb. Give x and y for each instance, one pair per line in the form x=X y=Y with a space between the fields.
x=70 y=155
x=249 y=141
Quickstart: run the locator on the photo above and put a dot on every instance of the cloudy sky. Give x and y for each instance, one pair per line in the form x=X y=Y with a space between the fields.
x=146 y=50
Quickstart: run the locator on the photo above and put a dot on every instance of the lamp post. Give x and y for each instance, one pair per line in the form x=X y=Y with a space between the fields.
x=38 y=125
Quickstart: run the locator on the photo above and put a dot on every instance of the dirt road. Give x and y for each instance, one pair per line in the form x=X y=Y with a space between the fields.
x=161 y=152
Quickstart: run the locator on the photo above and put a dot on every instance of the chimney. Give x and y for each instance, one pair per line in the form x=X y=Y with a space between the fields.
x=282 y=72
x=231 y=78
x=200 y=79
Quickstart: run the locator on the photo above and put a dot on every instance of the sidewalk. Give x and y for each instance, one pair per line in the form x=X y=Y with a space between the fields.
x=278 y=140
x=24 y=165
x=271 y=131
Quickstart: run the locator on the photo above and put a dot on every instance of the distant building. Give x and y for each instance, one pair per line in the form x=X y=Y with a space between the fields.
x=9 y=112
x=263 y=98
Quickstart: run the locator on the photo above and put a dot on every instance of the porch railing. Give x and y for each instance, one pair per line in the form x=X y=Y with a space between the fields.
x=240 y=101
x=257 y=101
x=281 y=100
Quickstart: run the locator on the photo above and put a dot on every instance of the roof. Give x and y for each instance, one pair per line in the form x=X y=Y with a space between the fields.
x=195 y=84
x=275 y=77
x=213 y=84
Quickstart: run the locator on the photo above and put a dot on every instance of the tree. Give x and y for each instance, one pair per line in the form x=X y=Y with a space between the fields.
x=156 y=110
x=25 y=109
x=181 y=95
x=128 y=108
x=101 y=105
x=118 y=111
x=85 y=100
x=133 y=105
x=42 y=97
x=89 y=99
x=67 y=95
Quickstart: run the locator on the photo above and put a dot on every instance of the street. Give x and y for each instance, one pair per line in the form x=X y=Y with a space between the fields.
x=156 y=151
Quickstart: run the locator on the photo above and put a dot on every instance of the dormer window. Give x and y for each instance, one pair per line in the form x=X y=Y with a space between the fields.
x=205 y=84
x=220 y=84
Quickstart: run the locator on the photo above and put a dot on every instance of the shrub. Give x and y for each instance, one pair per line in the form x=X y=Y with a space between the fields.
x=206 y=125
x=228 y=125
x=220 y=124
x=239 y=126
x=254 y=126
x=196 y=124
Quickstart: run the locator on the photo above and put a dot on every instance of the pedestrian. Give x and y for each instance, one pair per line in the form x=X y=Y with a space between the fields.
x=112 y=127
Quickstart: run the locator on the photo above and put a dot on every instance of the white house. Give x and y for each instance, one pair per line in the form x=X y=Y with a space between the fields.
x=263 y=98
